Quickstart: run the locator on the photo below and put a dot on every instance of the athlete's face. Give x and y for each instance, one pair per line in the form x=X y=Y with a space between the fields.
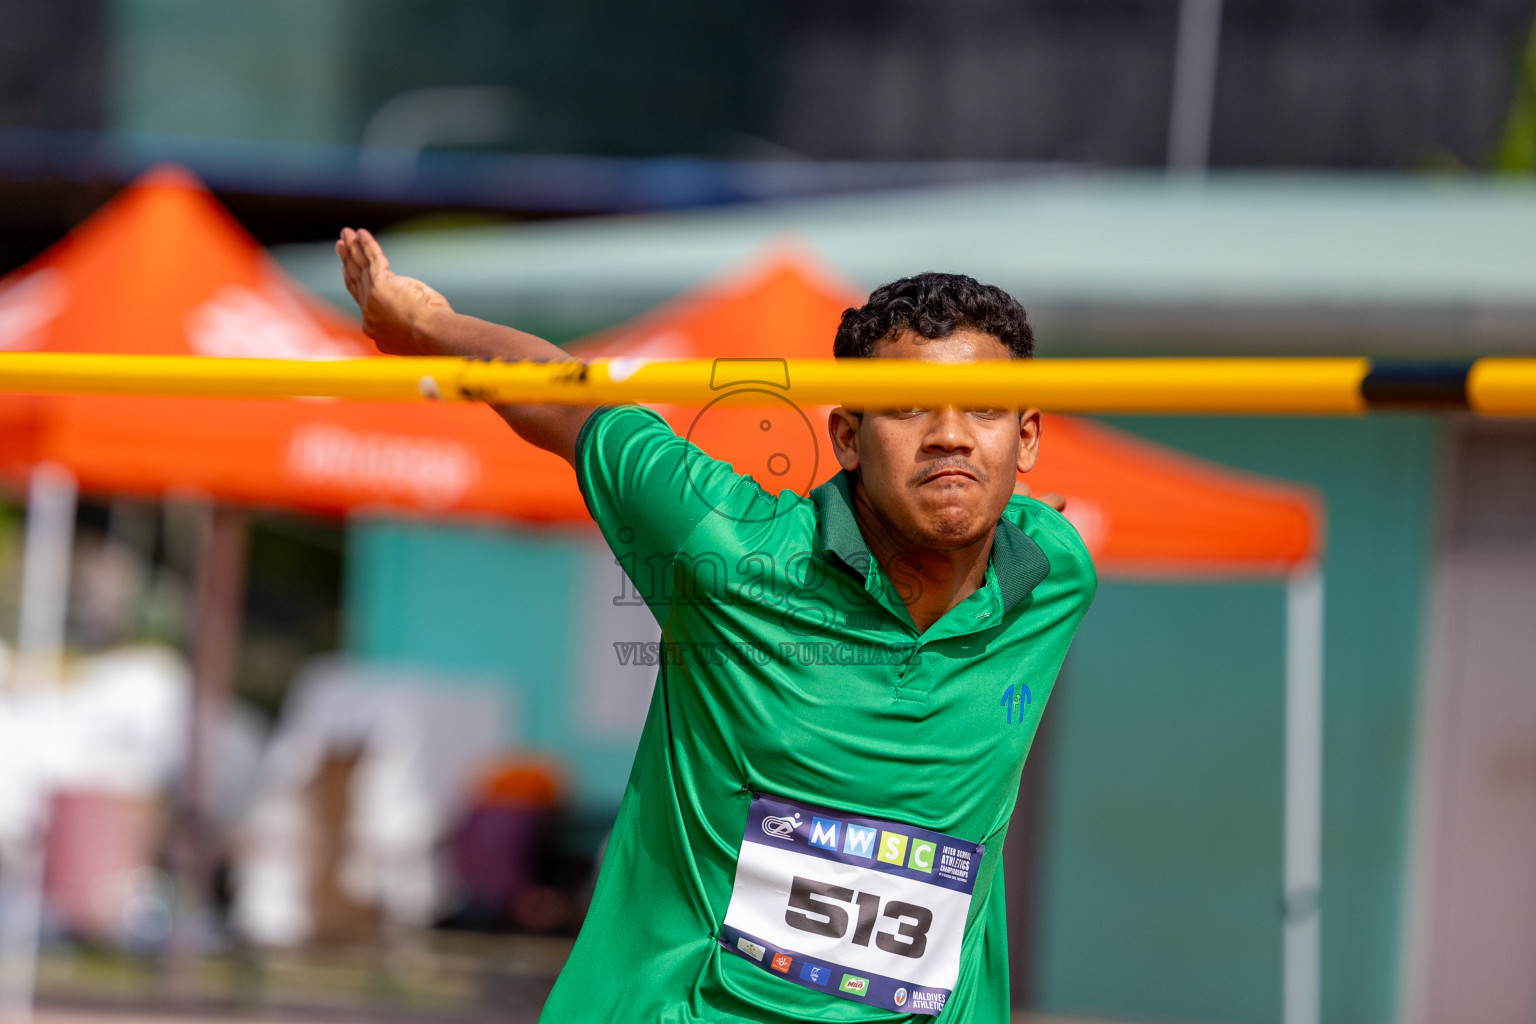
x=940 y=477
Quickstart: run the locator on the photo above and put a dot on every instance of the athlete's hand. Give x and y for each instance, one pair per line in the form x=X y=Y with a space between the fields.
x=1056 y=501
x=394 y=307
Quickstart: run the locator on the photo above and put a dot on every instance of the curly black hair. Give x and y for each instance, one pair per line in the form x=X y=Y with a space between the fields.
x=934 y=306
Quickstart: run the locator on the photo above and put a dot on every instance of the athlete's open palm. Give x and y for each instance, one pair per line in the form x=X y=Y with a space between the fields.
x=393 y=306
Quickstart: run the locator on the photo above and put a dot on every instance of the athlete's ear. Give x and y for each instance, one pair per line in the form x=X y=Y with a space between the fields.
x=1029 y=439
x=843 y=428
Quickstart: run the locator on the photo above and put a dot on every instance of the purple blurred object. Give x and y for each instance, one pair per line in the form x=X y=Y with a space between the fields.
x=494 y=854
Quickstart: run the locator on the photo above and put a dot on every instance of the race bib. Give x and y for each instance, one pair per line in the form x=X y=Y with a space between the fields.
x=860 y=908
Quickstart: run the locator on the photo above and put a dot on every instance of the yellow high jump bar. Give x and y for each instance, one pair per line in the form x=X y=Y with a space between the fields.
x=1491 y=386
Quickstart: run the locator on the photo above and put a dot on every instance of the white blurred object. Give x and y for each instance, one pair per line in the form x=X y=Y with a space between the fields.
x=421 y=737
x=272 y=868
x=116 y=727
x=128 y=709
x=115 y=730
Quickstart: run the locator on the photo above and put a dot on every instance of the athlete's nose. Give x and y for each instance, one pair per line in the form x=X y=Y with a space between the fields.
x=949 y=430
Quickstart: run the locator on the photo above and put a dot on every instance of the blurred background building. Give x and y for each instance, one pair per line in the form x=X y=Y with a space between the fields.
x=1349 y=177
x=269 y=101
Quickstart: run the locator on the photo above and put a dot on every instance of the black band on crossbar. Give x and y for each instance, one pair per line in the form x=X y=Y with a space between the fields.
x=1439 y=385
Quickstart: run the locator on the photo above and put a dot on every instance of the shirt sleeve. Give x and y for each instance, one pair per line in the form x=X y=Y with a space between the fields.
x=649 y=490
x=1071 y=565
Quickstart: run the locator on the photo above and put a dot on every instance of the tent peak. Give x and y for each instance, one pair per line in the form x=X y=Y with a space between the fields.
x=169 y=176
x=781 y=304
x=163 y=268
x=791 y=257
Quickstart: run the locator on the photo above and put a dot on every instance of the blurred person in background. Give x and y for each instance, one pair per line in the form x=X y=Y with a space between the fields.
x=849 y=686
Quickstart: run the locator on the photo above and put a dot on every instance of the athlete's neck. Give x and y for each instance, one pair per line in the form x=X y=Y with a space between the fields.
x=930 y=581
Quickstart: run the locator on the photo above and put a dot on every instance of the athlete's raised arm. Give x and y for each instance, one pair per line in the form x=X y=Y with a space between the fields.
x=407 y=318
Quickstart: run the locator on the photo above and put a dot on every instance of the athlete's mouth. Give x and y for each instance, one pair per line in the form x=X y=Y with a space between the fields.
x=949 y=471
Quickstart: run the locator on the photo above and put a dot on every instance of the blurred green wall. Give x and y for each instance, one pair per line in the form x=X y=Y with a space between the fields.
x=493 y=603
x=1161 y=884
x=1161 y=861
x=279 y=69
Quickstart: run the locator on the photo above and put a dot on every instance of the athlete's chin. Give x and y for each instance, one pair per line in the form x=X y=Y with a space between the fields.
x=950 y=532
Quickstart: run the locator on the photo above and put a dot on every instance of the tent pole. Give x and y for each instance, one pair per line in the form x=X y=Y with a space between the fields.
x=220 y=597
x=1301 y=990
x=49 y=545
x=21 y=895
x=45 y=576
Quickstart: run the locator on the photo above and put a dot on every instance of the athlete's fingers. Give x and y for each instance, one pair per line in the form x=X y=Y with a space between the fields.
x=351 y=246
x=377 y=261
x=1054 y=500
x=351 y=268
x=346 y=263
x=351 y=255
x=352 y=279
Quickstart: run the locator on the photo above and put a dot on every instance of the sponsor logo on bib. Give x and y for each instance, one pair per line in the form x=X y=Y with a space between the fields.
x=824 y=833
x=900 y=998
x=781 y=827
x=893 y=847
x=928 y=1002
x=854 y=986
x=860 y=841
x=781 y=963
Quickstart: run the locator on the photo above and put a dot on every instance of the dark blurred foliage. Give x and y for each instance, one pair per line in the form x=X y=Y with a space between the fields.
x=1314 y=84
x=52 y=75
x=1397 y=84
x=1302 y=83
x=53 y=63
x=292 y=602
x=144 y=589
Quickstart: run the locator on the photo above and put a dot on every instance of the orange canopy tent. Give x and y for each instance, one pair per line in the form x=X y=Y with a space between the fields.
x=164 y=269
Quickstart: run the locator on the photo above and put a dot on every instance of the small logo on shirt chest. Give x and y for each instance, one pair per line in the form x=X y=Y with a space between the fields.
x=1016 y=694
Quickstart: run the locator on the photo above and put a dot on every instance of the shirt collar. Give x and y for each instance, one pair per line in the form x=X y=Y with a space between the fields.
x=1017 y=561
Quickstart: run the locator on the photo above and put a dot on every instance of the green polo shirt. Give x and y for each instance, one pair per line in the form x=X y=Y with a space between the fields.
x=790 y=666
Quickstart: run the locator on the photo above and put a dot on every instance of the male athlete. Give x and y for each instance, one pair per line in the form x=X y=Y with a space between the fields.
x=850 y=681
